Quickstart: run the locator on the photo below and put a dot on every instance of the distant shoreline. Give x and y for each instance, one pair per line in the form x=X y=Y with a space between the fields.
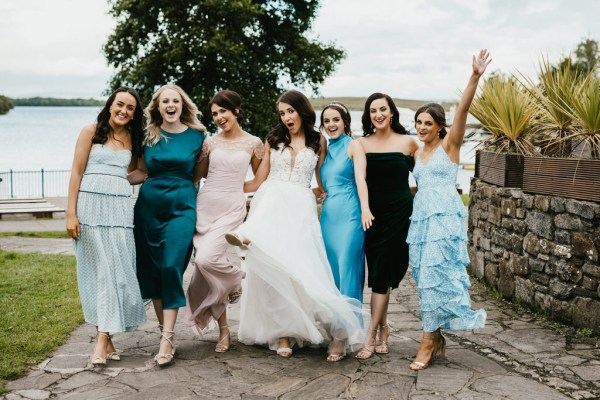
x=357 y=103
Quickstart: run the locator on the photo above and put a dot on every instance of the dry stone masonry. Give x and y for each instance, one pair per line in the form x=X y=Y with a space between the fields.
x=537 y=249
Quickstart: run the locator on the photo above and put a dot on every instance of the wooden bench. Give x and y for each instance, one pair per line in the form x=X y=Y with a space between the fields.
x=39 y=208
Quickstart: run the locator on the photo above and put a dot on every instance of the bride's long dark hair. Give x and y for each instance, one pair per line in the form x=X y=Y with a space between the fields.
x=281 y=135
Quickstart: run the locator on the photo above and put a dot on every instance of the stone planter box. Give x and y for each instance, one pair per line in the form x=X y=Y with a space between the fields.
x=499 y=169
x=565 y=177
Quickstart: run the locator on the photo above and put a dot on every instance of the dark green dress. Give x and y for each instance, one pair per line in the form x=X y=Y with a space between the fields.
x=165 y=216
x=391 y=203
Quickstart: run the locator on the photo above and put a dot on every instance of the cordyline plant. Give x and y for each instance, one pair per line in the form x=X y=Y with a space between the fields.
x=585 y=111
x=555 y=96
x=508 y=113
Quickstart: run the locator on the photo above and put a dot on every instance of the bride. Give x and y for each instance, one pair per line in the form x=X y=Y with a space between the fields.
x=290 y=297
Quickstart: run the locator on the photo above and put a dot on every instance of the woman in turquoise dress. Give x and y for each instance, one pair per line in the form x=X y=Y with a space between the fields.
x=437 y=235
x=389 y=153
x=100 y=220
x=165 y=211
x=345 y=214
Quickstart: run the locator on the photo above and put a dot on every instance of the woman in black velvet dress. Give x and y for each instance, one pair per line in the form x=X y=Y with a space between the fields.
x=390 y=154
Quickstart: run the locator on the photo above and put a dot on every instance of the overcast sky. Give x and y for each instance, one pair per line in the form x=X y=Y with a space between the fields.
x=417 y=49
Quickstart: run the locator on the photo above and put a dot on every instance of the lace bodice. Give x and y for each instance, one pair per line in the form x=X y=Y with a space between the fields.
x=228 y=161
x=303 y=166
x=250 y=144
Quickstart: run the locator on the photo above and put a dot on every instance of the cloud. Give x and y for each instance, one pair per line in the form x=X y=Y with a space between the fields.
x=409 y=48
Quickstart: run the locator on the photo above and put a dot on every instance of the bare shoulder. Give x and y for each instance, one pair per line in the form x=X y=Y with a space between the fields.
x=88 y=131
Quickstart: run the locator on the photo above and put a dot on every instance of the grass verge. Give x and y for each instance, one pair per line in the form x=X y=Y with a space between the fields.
x=39 y=235
x=465 y=199
x=40 y=307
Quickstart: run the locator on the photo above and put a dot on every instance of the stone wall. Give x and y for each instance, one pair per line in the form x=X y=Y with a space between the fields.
x=540 y=250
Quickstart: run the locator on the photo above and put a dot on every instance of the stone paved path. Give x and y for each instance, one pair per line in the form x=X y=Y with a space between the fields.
x=515 y=357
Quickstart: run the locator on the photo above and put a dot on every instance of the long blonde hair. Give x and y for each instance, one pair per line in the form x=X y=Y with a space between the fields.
x=189 y=114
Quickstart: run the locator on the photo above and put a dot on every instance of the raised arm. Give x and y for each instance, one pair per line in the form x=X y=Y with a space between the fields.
x=80 y=159
x=261 y=173
x=455 y=137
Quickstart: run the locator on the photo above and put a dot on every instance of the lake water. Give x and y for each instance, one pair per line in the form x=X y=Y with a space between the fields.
x=32 y=138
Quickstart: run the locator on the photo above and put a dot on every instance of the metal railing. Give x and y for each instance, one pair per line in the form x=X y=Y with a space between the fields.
x=32 y=184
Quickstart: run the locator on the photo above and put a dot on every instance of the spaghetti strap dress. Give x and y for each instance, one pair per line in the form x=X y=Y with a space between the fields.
x=391 y=202
x=105 y=252
x=438 y=248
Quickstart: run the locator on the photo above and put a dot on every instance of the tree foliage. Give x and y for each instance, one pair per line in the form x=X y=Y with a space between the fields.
x=586 y=58
x=255 y=47
x=5 y=104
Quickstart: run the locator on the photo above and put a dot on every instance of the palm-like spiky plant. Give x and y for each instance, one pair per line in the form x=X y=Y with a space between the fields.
x=585 y=111
x=508 y=112
x=554 y=95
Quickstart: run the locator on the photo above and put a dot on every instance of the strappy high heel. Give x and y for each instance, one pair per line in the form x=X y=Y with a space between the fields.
x=438 y=349
x=113 y=355
x=164 y=359
x=234 y=296
x=235 y=239
x=220 y=347
x=368 y=349
x=382 y=347
x=98 y=361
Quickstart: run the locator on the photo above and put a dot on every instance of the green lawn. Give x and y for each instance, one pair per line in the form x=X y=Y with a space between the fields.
x=465 y=199
x=40 y=307
x=44 y=235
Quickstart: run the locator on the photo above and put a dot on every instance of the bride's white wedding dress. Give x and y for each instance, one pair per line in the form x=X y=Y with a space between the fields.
x=289 y=289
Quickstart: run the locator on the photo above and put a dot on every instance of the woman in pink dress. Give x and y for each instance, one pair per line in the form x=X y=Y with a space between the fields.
x=221 y=207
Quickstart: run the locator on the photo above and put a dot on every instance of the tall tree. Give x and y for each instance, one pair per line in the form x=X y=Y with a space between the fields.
x=255 y=47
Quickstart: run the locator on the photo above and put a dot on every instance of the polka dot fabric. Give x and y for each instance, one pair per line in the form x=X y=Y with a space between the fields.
x=105 y=252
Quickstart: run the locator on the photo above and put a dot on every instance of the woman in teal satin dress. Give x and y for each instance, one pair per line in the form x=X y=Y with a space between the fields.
x=165 y=212
x=345 y=215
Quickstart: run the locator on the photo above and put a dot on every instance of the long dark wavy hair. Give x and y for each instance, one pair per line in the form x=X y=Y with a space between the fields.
x=368 y=127
x=135 y=126
x=229 y=100
x=437 y=113
x=281 y=135
x=344 y=114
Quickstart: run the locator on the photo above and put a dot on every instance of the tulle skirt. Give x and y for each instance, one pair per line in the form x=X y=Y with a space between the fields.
x=289 y=290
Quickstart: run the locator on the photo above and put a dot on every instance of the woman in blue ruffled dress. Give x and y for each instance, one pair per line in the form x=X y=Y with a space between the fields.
x=437 y=235
x=345 y=215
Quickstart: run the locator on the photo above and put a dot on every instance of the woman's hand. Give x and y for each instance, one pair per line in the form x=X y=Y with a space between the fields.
x=73 y=228
x=367 y=219
x=319 y=194
x=481 y=62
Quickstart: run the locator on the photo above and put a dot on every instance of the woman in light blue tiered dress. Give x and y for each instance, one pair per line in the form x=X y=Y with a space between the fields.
x=100 y=220
x=343 y=224
x=437 y=236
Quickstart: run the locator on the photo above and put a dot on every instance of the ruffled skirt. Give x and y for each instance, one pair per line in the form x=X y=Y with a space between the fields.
x=437 y=240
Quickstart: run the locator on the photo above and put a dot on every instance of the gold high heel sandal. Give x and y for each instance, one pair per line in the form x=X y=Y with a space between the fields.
x=438 y=350
x=382 y=347
x=164 y=359
x=368 y=349
x=220 y=347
